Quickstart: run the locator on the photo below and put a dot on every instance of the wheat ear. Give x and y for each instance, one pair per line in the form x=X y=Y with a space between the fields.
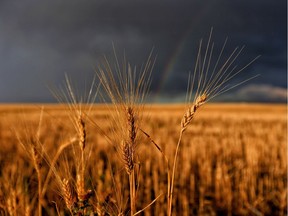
x=80 y=181
x=67 y=195
x=129 y=155
x=128 y=146
x=189 y=114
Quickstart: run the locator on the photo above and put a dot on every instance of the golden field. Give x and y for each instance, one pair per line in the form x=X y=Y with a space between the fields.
x=232 y=161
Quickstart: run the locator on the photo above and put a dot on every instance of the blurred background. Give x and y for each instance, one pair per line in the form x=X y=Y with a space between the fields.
x=41 y=41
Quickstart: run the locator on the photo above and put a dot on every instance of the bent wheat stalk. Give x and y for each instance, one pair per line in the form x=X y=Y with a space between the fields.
x=211 y=81
x=186 y=120
x=32 y=145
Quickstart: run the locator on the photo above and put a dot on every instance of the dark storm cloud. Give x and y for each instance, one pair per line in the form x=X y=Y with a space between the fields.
x=42 y=40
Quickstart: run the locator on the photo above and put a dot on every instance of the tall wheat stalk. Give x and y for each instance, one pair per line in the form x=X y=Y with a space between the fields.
x=211 y=79
x=126 y=89
x=79 y=107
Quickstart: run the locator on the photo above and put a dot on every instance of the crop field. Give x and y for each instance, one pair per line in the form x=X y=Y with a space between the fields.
x=232 y=161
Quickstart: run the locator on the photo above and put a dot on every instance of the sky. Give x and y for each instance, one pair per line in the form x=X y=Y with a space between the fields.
x=41 y=41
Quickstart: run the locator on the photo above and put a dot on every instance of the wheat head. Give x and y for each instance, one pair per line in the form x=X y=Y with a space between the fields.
x=189 y=114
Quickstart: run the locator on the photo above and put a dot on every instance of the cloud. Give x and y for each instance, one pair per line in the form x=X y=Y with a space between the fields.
x=42 y=40
x=262 y=93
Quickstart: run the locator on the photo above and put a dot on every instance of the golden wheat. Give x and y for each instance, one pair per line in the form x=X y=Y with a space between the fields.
x=189 y=114
x=68 y=195
x=241 y=169
x=227 y=178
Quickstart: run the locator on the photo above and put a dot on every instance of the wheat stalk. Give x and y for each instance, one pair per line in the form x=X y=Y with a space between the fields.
x=211 y=81
x=79 y=109
x=32 y=145
x=126 y=90
x=186 y=120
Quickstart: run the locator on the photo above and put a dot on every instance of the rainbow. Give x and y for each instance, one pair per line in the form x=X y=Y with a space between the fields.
x=178 y=50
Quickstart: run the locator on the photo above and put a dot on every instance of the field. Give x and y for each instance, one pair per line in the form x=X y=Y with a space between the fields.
x=232 y=161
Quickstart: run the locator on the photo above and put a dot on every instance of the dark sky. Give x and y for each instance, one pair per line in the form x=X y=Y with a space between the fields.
x=40 y=41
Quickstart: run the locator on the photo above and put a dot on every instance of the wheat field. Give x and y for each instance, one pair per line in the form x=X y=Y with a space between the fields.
x=232 y=161
x=126 y=157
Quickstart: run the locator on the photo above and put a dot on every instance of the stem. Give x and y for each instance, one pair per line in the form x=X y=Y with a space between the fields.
x=132 y=192
x=39 y=191
x=142 y=210
x=168 y=168
x=170 y=191
x=52 y=165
